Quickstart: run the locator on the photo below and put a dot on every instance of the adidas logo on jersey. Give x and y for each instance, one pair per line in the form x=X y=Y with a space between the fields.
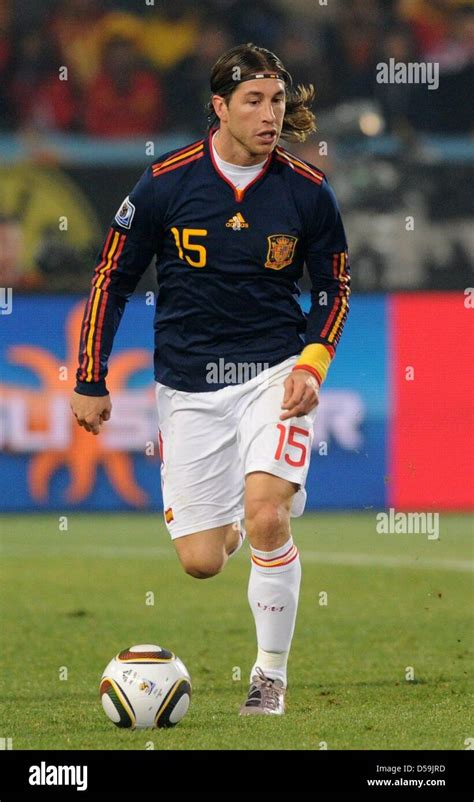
x=236 y=222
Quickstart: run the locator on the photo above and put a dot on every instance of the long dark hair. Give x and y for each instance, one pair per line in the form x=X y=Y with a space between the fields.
x=245 y=60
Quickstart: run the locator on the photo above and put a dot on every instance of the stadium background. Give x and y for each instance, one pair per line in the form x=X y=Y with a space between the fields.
x=383 y=637
x=136 y=85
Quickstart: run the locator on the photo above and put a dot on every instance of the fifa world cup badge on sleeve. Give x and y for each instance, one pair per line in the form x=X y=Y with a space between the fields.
x=125 y=214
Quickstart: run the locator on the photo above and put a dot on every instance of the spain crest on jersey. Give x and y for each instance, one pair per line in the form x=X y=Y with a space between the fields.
x=281 y=249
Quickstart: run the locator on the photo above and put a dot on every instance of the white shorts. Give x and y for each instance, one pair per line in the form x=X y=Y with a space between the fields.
x=210 y=441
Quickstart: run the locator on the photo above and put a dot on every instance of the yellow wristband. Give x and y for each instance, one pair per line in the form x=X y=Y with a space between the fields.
x=317 y=357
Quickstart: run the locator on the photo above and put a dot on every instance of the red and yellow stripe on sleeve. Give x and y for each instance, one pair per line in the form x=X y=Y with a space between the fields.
x=337 y=317
x=92 y=327
x=316 y=357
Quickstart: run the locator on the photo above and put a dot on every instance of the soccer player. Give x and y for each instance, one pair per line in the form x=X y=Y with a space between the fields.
x=232 y=218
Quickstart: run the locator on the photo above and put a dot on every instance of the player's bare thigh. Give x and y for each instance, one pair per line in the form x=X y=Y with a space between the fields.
x=268 y=501
x=204 y=554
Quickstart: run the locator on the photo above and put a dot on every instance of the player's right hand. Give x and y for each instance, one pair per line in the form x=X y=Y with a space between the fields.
x=91 y=411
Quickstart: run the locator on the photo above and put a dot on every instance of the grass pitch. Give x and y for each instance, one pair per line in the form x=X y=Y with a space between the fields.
x=397 y=607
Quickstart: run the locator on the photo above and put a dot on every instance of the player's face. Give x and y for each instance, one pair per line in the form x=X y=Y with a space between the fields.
x=254 y=115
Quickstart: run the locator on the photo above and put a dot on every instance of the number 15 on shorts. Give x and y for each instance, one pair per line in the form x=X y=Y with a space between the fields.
x=292 y=445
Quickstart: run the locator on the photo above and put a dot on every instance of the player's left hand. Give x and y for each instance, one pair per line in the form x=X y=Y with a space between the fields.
x=301 y=394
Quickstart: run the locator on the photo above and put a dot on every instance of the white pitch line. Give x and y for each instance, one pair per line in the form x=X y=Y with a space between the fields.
x=317 y=557
x=386 y=561
x=70 y=550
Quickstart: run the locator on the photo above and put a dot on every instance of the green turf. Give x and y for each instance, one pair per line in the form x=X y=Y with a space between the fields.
x=75 y=598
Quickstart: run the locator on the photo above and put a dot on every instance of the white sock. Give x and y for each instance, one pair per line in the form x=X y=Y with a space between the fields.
x=273 y=593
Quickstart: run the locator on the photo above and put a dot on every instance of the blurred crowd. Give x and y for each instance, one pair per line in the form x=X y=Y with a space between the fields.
x=124 y=68
x=137 y=68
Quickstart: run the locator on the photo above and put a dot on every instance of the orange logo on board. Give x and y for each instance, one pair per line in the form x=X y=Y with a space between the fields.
x=281 y=249
x=75 y=450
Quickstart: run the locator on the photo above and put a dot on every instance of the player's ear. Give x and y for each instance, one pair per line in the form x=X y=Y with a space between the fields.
x=220 y=107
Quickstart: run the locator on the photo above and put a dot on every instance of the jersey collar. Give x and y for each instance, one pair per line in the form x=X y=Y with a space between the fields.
x=238 y=193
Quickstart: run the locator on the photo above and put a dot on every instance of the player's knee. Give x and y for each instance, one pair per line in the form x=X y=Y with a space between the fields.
x=266 y=522
x=202 y=568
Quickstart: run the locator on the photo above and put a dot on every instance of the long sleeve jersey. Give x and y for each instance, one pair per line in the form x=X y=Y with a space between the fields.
x=228 y=263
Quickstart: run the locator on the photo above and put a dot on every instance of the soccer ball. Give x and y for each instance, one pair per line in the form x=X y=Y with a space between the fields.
x=145 y=686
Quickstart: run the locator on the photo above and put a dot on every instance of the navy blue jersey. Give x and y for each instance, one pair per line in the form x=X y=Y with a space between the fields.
x=228 y=263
